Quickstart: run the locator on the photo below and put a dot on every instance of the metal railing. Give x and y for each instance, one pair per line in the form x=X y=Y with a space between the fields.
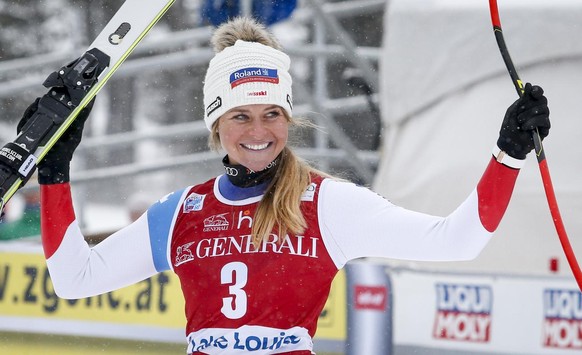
x=186 y=48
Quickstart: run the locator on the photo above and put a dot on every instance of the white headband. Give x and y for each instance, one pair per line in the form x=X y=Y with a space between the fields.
x=243 y=74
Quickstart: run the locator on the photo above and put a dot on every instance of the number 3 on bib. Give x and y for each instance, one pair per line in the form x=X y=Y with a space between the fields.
x=234 y=274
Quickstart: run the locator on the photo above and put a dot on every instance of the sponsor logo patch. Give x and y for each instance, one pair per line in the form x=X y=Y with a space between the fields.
x=215 y=105
x=217 y=222
x=250 y=340
x=249 y=75
x=184 y=254
x=194 y=202
x=259 y=93
x=309 y=193
x=230 y=171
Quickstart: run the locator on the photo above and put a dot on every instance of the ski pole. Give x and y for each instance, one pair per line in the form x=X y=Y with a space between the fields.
x=539 y=150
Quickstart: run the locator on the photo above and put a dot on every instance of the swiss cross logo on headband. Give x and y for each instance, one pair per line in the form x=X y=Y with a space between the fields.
x=248 y=75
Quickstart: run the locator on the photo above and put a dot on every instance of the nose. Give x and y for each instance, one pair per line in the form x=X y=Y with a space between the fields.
x=257 y=128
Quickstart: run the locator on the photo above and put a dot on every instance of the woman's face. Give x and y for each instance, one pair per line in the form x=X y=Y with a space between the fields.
x=253 y=135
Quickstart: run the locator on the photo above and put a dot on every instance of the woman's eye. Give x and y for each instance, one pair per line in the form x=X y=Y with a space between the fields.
x=273 y=114
x=240 y=117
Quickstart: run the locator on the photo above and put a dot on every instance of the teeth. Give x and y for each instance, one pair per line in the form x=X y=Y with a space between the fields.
x=256 y=146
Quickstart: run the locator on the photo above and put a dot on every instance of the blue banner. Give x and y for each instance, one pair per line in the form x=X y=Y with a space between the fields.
x=267 y=12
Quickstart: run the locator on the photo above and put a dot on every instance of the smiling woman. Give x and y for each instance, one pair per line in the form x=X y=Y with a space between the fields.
x=253 y=135
x=256 y=249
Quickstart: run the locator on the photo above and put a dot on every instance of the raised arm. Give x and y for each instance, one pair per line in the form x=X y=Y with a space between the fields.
x=76 y=269
x=359 y=223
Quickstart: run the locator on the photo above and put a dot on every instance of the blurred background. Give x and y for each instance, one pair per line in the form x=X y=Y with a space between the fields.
x=146 y=135
x=409 y=96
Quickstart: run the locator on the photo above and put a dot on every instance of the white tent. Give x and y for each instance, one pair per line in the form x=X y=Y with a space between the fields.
x=444 y=91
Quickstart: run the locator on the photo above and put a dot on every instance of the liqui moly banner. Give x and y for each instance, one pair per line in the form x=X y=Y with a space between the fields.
x=562 y=322
x=485 y=313
x=463 y=312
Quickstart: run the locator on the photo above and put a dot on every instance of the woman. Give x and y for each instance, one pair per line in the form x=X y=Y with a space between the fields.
x=256 y=249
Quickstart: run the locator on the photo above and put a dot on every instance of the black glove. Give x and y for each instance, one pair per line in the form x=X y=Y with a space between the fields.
x=54 y=167
x=526 y=114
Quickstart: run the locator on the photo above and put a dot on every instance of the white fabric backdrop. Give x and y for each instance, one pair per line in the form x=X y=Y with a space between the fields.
x=444 y=91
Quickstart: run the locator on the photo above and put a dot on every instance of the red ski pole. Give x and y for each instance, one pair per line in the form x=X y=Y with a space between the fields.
x=539 y=150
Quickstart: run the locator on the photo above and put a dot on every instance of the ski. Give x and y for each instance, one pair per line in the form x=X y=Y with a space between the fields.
x=72 y=88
